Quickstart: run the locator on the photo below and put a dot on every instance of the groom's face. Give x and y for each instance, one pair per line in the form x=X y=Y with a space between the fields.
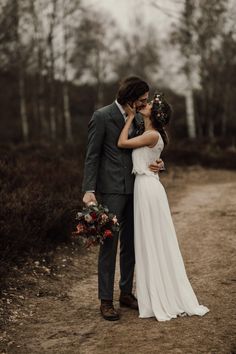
x=142 y=101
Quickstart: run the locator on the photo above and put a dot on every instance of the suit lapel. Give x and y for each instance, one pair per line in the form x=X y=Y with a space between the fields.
x=116 y=114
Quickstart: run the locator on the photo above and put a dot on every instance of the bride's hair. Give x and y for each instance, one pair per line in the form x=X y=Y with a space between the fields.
x=160 y=115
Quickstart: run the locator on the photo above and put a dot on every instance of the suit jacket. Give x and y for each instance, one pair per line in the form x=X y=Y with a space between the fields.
x=108 y=169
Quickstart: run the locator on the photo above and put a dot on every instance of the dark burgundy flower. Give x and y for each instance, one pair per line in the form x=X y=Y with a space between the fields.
x=94 y=215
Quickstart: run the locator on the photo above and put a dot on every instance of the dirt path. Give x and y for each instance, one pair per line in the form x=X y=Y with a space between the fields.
x=59 y=311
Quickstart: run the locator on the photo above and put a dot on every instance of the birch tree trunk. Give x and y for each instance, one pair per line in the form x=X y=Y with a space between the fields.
x=67 y=115
x=99 y=81
x=52 y=111
x=37 y=15
x=226 y=113
x=189 y=92
x=189 y=101
x=65 y=91
x=23 y=112
x=21 y=75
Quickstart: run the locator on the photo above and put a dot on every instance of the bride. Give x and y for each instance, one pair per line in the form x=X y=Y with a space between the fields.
x=162 y=285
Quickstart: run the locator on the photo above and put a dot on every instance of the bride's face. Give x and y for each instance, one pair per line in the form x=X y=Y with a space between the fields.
x=146 y=111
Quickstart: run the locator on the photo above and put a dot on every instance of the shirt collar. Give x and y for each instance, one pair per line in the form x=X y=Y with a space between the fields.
x=120 y=108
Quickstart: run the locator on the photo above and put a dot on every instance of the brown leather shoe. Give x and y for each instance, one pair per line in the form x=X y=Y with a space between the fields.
x=108 y=312
x=128 y=300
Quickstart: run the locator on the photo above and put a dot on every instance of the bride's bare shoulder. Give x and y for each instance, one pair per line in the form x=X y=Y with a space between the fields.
x=154 y=134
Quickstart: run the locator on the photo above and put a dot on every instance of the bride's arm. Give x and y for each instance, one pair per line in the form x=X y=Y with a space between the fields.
x=124 y=142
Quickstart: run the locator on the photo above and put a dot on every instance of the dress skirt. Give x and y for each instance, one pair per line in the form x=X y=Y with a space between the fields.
x=162 y=286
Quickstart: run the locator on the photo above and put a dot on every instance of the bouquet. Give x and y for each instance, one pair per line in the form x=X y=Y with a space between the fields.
x=95 y=224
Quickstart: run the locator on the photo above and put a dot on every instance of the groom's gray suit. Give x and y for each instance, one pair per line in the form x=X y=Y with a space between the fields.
x=108 y=171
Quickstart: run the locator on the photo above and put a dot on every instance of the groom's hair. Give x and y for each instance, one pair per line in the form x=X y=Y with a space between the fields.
x=131 y=89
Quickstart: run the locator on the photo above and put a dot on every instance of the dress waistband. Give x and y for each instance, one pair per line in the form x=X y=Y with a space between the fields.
x=148 y=174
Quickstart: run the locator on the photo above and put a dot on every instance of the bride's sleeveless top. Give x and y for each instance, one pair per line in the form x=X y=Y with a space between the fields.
x=144 y=156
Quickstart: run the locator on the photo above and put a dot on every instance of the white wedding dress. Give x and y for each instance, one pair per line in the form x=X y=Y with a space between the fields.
x=162 y=286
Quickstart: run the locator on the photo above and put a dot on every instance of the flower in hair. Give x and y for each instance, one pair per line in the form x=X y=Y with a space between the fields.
x=159 y=105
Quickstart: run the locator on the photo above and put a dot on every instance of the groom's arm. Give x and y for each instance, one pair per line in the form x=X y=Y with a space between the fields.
x=96 y=132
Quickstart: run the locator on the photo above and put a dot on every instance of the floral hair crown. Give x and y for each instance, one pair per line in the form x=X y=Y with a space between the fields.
x=158 y=108
x=158 y=97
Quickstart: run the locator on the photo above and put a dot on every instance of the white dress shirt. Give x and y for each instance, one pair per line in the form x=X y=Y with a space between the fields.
x=122 y=111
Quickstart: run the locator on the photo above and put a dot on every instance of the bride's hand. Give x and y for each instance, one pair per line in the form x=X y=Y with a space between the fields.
x=130 y=111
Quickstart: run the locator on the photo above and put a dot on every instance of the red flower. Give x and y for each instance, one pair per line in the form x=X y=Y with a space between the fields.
x=94 y=215
x=107 y=234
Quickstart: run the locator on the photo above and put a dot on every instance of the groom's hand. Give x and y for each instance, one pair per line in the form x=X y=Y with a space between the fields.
x=156 y=166
x=89 y=197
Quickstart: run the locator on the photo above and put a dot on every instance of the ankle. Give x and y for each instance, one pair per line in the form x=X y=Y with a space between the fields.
x=103 y=301
x=122 y=293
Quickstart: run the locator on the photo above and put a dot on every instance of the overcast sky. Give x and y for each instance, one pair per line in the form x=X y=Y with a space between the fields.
x=123 y=10
x=163 y=19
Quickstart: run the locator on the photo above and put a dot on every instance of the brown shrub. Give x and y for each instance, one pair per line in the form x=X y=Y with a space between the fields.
x=40 y=191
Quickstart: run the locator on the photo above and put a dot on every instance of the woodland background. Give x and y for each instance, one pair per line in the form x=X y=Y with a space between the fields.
x=62 y=59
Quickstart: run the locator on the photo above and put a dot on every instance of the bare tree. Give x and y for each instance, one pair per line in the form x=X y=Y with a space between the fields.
x=226 y=57
x=187 y=50
x=51 y=67
x=200 y=36
x=139 y=52
x=21 y=59
x=66 y=12
x=209 y=27
x=39 y=65
x=93 y=54
x=183 y=36
x=14 y=55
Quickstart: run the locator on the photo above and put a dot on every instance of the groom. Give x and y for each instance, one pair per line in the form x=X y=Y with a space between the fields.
x=108 y=171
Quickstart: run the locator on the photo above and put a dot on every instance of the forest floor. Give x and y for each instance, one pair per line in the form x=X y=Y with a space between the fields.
x=52 y=307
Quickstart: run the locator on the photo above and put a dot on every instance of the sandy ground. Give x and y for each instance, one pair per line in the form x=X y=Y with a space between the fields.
x=53 y=308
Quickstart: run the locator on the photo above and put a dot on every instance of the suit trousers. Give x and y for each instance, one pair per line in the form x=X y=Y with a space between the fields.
x=122 y=206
